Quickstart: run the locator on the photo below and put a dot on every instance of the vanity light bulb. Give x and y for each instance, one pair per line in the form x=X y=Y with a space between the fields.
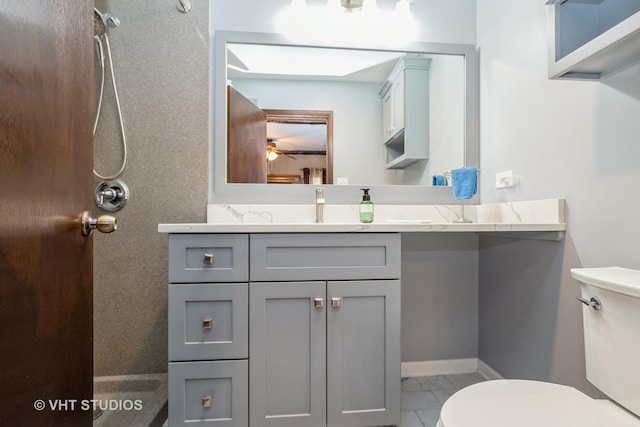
x=298 y=4
x=402 y=7
x=334 y=6
x=405 y=28
x=369 y=6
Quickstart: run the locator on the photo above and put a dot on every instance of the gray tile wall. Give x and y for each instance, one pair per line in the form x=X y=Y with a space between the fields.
x=161 y=61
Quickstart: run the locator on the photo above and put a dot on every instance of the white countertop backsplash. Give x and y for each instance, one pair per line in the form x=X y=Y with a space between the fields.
x=305 y=214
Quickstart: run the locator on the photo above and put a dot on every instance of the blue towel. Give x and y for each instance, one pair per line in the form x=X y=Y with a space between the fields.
x=438 y=180
x=464 y=182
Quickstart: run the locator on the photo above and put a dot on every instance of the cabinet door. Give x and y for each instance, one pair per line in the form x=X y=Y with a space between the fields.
x=398 y=103
x=287 y=354
x=208 y=394
x=387 y=115
x=363 y=353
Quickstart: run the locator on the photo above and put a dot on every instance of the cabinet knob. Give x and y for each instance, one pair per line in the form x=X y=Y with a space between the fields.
x=207 y=401
x=336 y=302
x=208 y=259
x=207 y=323
x=318 y=302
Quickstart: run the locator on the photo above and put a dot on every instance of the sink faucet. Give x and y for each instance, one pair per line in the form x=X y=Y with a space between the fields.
x=320 y=205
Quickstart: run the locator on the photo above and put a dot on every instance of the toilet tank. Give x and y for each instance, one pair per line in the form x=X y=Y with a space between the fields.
x=612 y=333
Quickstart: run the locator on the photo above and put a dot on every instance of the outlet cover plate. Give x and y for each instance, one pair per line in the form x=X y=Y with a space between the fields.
x=504 y=179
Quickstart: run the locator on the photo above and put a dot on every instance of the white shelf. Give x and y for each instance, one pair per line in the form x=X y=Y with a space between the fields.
x=600 y=54
x=400 y=162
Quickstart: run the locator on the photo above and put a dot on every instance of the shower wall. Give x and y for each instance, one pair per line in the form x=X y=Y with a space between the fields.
x=161 y=61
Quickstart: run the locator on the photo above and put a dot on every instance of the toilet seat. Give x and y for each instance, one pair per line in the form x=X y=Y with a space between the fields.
x=522 y=403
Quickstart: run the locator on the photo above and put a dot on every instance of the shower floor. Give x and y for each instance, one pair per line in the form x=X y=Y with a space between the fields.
x=131 y=400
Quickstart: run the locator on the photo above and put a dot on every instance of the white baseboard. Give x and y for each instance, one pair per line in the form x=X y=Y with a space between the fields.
x=488 y=372
x=438 y=367
x=430 y=368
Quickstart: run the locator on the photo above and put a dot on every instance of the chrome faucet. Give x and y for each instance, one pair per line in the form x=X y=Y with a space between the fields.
x=320 y=205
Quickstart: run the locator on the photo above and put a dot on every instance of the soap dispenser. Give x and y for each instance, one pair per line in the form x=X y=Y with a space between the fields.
x=366 y=207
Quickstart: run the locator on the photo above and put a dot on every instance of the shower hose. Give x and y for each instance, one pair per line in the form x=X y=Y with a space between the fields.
x=115 y=91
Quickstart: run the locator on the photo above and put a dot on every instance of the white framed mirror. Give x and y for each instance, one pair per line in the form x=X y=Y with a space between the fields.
x=452 y=120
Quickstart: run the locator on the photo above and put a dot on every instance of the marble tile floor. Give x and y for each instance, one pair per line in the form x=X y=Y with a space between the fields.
x=422 y=397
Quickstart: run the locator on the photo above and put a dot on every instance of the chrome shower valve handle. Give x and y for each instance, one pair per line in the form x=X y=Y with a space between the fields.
x=111 y=195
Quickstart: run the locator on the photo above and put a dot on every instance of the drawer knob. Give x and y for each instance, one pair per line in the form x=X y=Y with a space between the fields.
x=318 y=302
x=207 y=401
x=336 y=302
x=207 y=323
x=208 y=259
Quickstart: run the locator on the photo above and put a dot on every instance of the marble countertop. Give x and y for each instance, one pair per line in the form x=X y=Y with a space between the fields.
x=355 y=228
x=527 y=216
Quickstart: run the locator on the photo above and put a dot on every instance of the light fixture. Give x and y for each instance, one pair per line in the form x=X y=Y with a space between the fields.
x=271 y=155
x=362 y=22
x=352 y=5
x=271 y=152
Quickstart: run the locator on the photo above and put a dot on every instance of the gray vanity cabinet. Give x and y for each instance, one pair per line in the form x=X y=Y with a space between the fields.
x=284 y=330
x=324 y=352
x=208 y=330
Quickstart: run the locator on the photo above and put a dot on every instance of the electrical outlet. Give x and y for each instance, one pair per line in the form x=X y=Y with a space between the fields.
x=504 y=179
x=342 y=180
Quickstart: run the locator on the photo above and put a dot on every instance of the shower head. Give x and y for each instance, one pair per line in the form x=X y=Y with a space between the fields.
x=101 y=20
x=99 y=24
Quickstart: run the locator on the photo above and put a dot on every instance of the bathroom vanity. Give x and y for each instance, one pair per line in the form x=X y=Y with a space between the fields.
x=304 y=326
x=275 y=320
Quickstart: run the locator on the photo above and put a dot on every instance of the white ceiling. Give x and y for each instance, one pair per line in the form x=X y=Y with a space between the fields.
x=298 y=136
x=304 y=63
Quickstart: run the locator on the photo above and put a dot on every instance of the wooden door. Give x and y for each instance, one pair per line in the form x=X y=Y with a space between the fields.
x=246 y=140
x=46 y=157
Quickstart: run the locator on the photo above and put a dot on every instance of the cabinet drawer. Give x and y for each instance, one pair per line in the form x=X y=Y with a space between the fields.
x=211 y=394
x=324 y=256
x=208 y=321
x=208 y=258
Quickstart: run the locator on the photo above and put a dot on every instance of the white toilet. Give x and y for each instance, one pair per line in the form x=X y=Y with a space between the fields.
x=612 y=349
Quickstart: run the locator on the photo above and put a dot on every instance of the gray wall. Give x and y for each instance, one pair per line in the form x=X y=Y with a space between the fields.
x=439 y=296
x=161 y=60
x=530 y=323
x=571 y=139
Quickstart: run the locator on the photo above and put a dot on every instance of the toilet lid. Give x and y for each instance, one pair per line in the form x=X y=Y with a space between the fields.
x=509 y=403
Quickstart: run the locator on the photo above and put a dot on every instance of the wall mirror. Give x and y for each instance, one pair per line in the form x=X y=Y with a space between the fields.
x=352 y=84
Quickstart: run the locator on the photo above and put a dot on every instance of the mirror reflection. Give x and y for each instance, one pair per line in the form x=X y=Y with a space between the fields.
x=299 y=115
